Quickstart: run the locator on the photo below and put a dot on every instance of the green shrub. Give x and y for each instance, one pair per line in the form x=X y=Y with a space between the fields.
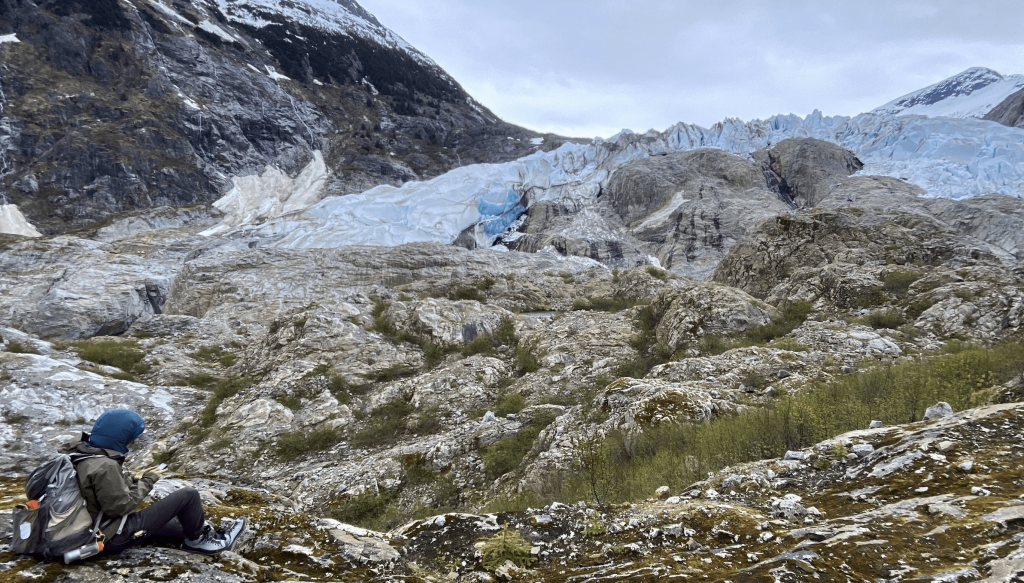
x=482 y=344
x=213 y=354
x=527 y=359
x=509 y=403
x=486 y=283
x=789 y=343
x=918 y=307
x=650 y=352
x=964 y=294
x=387 y=423
x=391 y=373
x=221 y=389
x=21 y=348
x=873 y=297
x=362 y=509
x=506 y=545
x=508 y=454
x=505 y=333
x=897 y=282
x=891 y=319
x=124 y=355
x=294 y=444
x=657 y=273
x=468 y=293
x=612 y=304
x=417 y=473
x=792 y=316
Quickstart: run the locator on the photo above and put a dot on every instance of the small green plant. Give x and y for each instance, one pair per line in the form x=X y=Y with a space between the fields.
x=650 y=352
x=616 y=278
x=509 y=403
x=657 y=273
x=508 y=454
x=613 y=304
x=294 y=444
x=527 y=359
x=506 y=545
x=221 y=389
x=789 y=343
x=822 y=463
x=898 y=282
x=595 y=526
x=20 y=348
x=891 y=318
x=417 y=472
x=918 y=307
x=363 y=508
x=467 y=293
x=964 y=294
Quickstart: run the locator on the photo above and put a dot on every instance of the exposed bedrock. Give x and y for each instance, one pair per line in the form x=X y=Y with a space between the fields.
x=807 y=168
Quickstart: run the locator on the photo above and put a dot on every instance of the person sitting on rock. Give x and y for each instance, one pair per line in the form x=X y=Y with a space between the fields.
x=106 y=488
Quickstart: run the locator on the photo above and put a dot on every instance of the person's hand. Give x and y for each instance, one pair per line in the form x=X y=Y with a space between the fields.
x=155 y=472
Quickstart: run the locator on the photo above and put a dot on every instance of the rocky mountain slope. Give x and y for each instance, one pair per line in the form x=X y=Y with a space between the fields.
x=1010 y=112
x=111 y=106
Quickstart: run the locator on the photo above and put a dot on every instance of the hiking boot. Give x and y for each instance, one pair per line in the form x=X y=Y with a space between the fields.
x=234 y=532
x=214 y=541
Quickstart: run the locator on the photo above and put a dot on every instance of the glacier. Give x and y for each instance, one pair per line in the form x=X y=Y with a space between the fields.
x=948 y=157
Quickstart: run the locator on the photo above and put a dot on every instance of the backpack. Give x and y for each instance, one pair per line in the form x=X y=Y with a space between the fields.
x=55 y=520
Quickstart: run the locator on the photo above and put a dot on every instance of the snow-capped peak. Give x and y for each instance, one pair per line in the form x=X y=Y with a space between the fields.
x=341 y=16
x=972 y=93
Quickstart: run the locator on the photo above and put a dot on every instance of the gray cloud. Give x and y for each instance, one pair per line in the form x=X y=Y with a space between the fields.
x=592 y=67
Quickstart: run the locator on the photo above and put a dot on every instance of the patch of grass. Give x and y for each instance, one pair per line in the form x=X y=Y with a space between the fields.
x=20 y=347
x=657 y=273
x=220 y=389
x=417 y=472
x=793 y=314
x=482 y=344
x=212 y=354
x=508 y=454
x=125 y=355
x=467 y=293
x=613 y=304
x=390 y=421
x=297 y=443
x=788 y=343
x=527 y=358
x=897 y=282
x=918 y=307
x=509 y=403
x=433 y=353
x=650 y=352
x=679 y=455
x=873 y=297
x=392 y=373
x=364 y=508
x=891 y=319
x=964 y=294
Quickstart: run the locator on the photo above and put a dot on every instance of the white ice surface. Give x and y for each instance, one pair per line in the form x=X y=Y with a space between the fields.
x=273 y=193
x=9 y=38
x=948 y=157
x=169 y=11
x=12 y=222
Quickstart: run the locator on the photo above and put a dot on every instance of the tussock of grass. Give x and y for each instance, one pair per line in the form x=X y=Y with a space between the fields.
x=508 y=454
x=898 y=282
x=294 y=444
x=612 y=304
x=679 y=455
x=126 y=355
x=791 y=317
x=891 y=319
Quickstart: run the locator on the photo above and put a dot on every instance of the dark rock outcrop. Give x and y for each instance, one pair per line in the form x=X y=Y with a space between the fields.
x=807 y=168
x=1010 y=112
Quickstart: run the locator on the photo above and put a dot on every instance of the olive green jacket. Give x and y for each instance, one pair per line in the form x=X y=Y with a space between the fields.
x=103 y=483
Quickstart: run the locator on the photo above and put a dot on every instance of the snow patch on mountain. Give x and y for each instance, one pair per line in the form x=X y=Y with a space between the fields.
x=340 y=16
x=12 y=222
x=972 y=93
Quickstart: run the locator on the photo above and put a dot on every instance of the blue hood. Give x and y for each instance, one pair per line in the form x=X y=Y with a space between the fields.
x=115 y=429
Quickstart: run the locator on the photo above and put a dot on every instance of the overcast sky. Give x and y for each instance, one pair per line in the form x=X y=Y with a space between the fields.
x=589 y=68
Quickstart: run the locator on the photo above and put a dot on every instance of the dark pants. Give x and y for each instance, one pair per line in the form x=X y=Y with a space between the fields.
x=179 y=515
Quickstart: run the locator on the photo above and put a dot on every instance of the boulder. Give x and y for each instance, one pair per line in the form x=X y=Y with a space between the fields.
x=940 y=409
x=807 y=168
x=685 y=315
